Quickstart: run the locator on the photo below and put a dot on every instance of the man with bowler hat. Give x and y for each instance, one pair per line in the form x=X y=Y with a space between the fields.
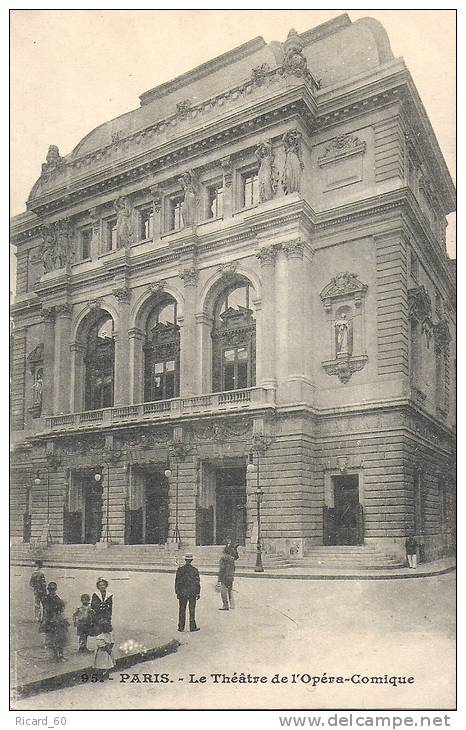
x=188 y=591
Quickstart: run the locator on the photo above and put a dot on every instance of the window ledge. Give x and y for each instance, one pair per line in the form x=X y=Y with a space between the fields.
x=82 y=261
x=245 y=210
x=108 y=253
x=210 y=220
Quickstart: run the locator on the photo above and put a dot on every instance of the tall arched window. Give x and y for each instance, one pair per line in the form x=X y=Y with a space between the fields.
x=162 y=353
x=99 y=362
x=234 y=340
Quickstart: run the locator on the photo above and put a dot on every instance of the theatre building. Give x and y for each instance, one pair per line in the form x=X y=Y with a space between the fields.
x=248 y=268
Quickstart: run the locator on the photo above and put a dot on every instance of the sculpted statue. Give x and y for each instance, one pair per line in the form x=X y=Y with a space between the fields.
x=37 y=390
x=266 y=174
x=291 y=179
x=47 y=250
x=344 y=336
x=56 y=250
x=124 y=225
x=190 y=203
x=294 y=62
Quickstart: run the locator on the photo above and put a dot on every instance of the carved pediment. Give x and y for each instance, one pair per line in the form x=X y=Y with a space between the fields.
x=342 y=285
x=419 y=302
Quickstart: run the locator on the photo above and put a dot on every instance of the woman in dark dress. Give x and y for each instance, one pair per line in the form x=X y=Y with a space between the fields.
x=54 y=624
x=102 y=605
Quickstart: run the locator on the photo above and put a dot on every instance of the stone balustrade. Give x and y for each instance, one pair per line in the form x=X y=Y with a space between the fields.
x=212 y=403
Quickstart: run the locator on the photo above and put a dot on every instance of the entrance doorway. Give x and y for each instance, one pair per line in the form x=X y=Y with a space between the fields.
x=147 y=513
x=343 y=523
x=92 y=511
x=230 y=505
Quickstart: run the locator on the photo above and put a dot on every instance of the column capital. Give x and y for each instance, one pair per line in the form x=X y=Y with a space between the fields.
x=267 y=254
x=48 y=314
x=63 y=310
x=190 y=276
x=294 y=249
x=122 y=294
x=136 y=334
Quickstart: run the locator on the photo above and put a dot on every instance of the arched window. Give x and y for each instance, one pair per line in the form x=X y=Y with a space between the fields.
x=99 y=361
x=162 y=353
x=234 y=340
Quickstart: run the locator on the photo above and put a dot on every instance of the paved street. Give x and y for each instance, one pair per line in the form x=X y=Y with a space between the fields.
x=317 y=628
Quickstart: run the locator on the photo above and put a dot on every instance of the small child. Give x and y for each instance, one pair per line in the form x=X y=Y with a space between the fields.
x=83 y=619
x=39 y=586
x=54 y=623
x=104 y=660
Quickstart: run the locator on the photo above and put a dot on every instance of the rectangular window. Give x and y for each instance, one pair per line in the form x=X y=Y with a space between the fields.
x=146 y=224
x=111 y=240
x=86 y=238
x=250 y=189
x=215 y=202
x=175 y=220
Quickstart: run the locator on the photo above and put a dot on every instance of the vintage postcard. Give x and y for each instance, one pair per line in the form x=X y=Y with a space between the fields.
x=233 y=358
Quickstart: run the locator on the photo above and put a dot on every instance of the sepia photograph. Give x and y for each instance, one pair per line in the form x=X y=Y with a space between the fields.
x=233 y=360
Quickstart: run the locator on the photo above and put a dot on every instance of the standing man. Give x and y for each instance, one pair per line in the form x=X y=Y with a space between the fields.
x=188 y=591
x=226 y=574
x=39 y=586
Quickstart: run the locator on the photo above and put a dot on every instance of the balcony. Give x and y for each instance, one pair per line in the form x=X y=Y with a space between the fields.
x=231 y=401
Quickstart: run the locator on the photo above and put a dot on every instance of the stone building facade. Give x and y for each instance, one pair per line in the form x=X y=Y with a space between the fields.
x=249 y=267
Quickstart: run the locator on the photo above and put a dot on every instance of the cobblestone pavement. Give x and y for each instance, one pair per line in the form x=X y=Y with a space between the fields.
x=350 y=629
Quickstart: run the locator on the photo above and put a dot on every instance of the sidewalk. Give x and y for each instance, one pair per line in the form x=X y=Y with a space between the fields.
x=33 y=670
x=424 y=570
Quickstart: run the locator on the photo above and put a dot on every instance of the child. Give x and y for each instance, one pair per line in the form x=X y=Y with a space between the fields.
x=411 y=551
x=39 y=586
x=83 y=619
x=104 y=660
x=54 y=623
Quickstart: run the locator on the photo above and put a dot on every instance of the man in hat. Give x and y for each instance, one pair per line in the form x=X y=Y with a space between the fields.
x=188 y=591
x=39 y=586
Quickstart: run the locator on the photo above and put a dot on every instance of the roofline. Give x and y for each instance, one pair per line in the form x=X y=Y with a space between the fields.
x=199 y=72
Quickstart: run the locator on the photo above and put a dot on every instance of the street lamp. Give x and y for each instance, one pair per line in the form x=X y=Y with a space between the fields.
x=176 y=532
x=98 y=479
x=259 y=493
x=37 y=482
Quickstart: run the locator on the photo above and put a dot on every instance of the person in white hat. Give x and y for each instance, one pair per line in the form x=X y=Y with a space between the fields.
x=188 y=591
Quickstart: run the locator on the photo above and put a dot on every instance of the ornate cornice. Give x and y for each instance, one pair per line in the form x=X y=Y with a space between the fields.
x=340 y=147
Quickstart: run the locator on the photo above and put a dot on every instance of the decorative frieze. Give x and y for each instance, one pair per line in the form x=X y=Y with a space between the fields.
x=340 y=147
x=260 y=74
x=223 y=430
x=183 y=108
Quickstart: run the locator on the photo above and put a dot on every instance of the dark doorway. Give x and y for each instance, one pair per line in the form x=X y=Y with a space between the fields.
x=93 y=492
x=230 y=505
x=344 y=523
x=156 y=509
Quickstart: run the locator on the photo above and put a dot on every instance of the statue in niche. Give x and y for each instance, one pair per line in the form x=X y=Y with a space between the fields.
x=124 y=223
x=63 y=252
x=266 y=174
x=294 y=165
x=343 y=336
x=37 y=391
x=47 y=249
x=190 y=202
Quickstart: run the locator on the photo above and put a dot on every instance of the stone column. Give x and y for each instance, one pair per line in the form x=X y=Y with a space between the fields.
x=294 y=253
x=48 y=315
x=227 y=186
x=204 y=352
x=62 y=363
x=266 y=345
x=77 y=376
x=136 y=339
x=122 y=367
x=188 y=344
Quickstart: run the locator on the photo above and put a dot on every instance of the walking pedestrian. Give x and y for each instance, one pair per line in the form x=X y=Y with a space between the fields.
x=226 y=574
x=411 y=551
x=188 y=591
x=39 y=586
x=83 y=619
x=101 y=604
x=54 y=624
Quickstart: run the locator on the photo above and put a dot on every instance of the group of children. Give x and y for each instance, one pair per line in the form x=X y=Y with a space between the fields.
x=92 y=618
